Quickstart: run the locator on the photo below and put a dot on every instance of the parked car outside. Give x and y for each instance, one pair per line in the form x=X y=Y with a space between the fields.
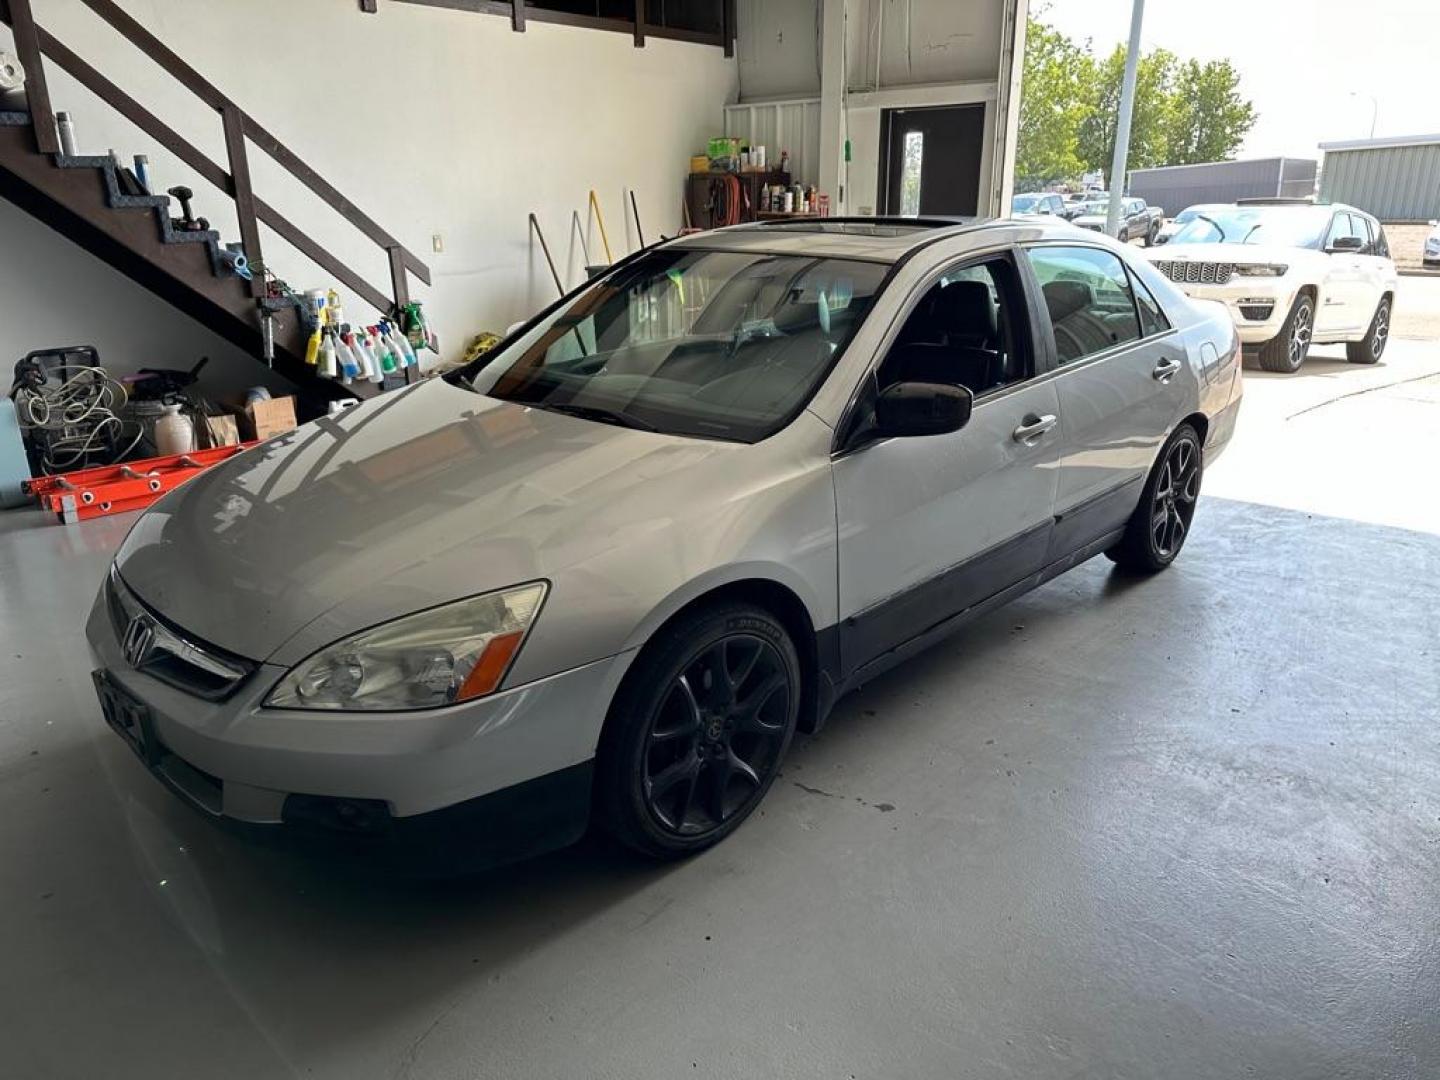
x=1077 y=201
x=1044 y=203
x=1137 y=219
x=1293 y=275
x=606 y=571
x=1431 y=260
x=1173 y=225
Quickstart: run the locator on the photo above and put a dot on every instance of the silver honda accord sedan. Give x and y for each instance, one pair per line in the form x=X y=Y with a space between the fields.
x=604 y=573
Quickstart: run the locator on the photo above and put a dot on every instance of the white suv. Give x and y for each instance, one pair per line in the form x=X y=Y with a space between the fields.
x=1292 y=274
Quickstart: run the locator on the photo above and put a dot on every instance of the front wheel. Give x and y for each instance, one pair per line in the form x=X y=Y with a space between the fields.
x=1377 y=336
x=698 y=730
x=1161 y=522
x=1150 y=235
x=1286 y=351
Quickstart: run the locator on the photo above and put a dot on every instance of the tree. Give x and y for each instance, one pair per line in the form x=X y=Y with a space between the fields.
x=1185 y=111
x=1053 y=102
x=1209 y=119
x=1149 y=124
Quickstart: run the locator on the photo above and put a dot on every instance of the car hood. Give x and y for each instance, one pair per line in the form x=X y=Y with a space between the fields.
x=419 y=497
x=1234 y=253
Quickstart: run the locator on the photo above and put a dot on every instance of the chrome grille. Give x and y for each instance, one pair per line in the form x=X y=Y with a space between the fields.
x=153 y=646
x=1195 y=272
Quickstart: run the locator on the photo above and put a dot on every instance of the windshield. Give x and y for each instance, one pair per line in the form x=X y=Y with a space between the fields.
x=1022 y=204
x=1280 y=226
x=716 y=344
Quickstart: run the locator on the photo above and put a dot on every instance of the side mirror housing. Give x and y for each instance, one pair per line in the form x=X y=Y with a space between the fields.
x=1346 y=243
x=910 y=409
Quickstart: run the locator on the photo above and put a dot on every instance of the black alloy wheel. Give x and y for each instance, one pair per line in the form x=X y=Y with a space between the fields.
x=1172 y=507
x=698 y=730
x=1161 y=522
x=718 y=733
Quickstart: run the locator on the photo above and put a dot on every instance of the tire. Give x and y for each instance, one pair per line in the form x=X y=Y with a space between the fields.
x=1369 y=350
x=698 y=731
x=1172 y=489
x=1287 y=350
x=1150 y=235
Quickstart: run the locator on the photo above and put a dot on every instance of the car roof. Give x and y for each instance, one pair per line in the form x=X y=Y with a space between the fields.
x=881 y=239
x=877 y=239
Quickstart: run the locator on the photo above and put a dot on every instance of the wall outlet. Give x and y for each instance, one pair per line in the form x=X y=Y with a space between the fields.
x=437 y=243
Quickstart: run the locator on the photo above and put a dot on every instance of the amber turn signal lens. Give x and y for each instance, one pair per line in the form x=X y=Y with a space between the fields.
x=485 y=676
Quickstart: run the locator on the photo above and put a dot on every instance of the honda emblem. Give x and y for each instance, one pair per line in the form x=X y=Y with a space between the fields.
x=138 y=641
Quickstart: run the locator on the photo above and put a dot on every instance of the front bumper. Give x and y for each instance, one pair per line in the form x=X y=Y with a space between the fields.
x=512 y=770
x=1259 y=306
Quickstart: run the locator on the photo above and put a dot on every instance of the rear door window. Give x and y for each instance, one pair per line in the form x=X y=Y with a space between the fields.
x=1088 y=300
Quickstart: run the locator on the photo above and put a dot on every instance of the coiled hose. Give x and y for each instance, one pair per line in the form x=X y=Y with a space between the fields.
x=75 y=423
x=725 y=199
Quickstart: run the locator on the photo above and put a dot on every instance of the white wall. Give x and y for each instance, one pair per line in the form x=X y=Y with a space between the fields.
x=430 y=120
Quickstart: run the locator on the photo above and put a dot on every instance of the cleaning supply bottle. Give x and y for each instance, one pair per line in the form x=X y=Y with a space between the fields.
x=377 y=373
x=312 y=347
x=386 y=354
x=347 y=359
x=400 y=343
x=327 y=354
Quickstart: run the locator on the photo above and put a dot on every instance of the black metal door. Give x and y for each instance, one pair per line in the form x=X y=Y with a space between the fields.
x=930 y=160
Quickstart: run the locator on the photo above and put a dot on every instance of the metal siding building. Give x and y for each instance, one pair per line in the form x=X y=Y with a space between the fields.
x=1393 y=179
x=1174 y=187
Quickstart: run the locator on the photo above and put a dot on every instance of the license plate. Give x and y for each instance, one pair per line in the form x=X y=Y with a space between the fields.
x=129 y=717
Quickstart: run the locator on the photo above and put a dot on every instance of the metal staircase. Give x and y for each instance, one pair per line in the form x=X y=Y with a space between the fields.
x=83 y=198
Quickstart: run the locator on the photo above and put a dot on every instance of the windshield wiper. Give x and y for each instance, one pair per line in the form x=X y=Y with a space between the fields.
x=1212 y=221
x=601 y=415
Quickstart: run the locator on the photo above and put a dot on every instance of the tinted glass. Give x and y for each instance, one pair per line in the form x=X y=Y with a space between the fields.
x=961 y=331
x=1152 y=319
x=724 y=345
x=1382 y=245
x=1346 y=225
x=1024 y=204
x=1088 y=298
x=1283 y=226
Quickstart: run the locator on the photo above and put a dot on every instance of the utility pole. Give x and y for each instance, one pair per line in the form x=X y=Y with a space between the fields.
x=1122 y=123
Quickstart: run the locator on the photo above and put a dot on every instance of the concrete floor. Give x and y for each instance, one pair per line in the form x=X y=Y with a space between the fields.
x=1179 y=827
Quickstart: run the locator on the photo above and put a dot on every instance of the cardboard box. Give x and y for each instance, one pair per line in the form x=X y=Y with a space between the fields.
x=266 y=418
x=222 y=430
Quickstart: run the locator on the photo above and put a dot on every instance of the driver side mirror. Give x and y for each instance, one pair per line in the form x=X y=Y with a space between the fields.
x=909 y=409
x=1346 y=243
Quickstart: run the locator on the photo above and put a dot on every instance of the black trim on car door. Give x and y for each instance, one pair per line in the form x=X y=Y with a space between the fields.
x=889 y=624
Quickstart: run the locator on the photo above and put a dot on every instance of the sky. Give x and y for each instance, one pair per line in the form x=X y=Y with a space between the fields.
x=1315 y=69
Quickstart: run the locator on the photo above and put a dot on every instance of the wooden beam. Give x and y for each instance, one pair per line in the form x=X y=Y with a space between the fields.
x=728 y=28
x=369 y=7
x=517 y=15
x=244 y=197
x=37 y=92
x=639 y=24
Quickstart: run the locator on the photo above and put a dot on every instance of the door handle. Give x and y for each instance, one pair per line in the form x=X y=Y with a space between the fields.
x=1030 y=431
x=1166 y=368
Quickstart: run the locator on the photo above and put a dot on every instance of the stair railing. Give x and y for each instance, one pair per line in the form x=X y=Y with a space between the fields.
x=33 y=43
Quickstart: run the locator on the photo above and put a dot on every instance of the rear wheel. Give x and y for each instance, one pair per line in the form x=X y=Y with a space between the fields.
x=698 y=730
x=1377 y=336
x=1151 y=233
x=1285 y=352
x=1161 y=523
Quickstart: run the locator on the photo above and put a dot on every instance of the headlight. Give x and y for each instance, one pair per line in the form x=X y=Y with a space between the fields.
x=1261 y=269
x=451 y=653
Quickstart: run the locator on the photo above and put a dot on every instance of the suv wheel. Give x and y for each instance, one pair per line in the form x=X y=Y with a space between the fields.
x=1285 y=352
x=698 y=730
x=1369 y=350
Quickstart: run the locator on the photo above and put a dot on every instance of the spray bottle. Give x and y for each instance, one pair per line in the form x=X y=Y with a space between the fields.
x=349 y=362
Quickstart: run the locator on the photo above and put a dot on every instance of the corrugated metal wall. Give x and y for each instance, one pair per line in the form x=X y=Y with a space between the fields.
x=1175 y=187
x=781 y=125
x=1395 y=183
